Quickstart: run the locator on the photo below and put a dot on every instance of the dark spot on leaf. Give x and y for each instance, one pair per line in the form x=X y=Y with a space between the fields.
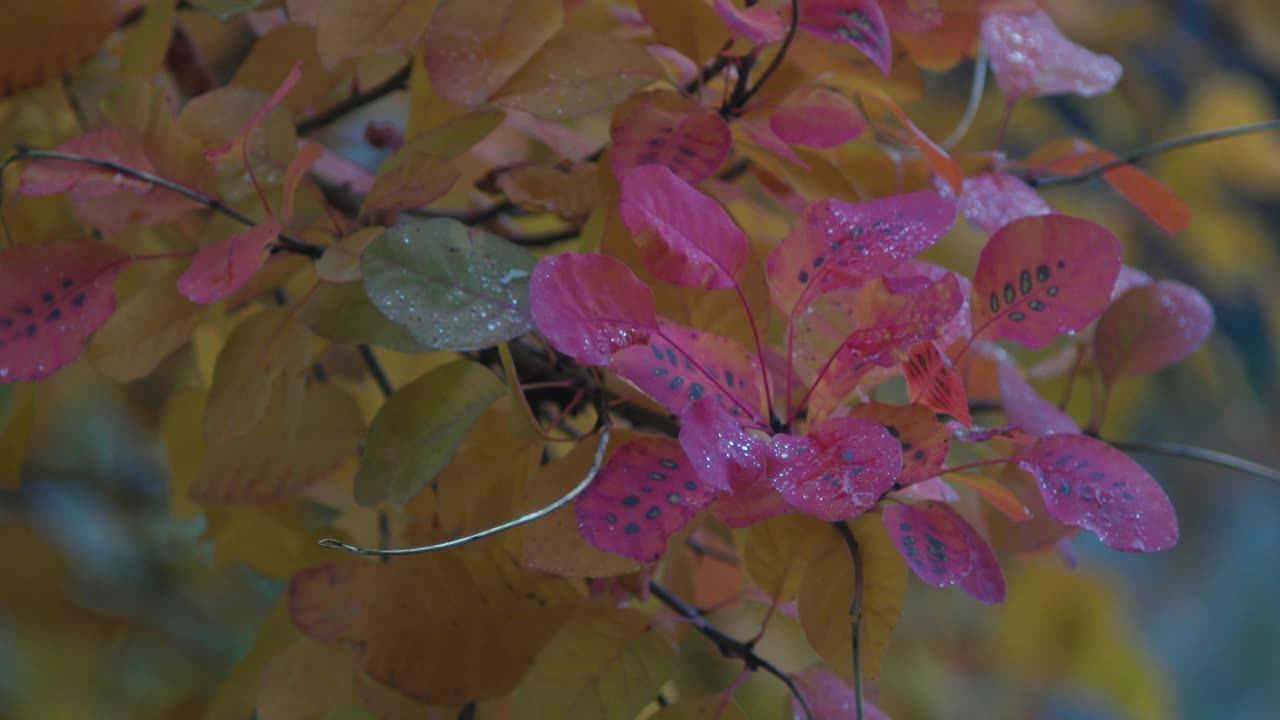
x=1024 y=281
x=31 y=330
x=860 y=248
x=919 y=455
x=646 y=488
x=668 y=463
x=655 y=475
x=1042 y=272
x=652 y=512
x=46 y=297
x=907 y=446
x=673 y=498
x=817 y=262
x=1051 y=292
x=657 y=352
x=1062 y=461
x=1064 y=488
x=5 y=322
x=1082 y=464
x=1009 y=293
x=696 y=390
x=675 y=383
x=659 y=371
x=631 y=529
x=1036 y=305
x=1097 y=475
x=685 y=151
x=611 y=518
x=728 y=377
x=904 y=527
x=630 y=501
x=1061 y=264
x=854 y=232
x=78 y=300
x=23 y=310
x=1017 y=316
x=804 y=276
x=995 y=303
x=690 y=485
x=846 y=455
x=892 y=430
x=835 y=245
x=66 y=283
x=671 y=358
x=1128 y=496
x=55 y=315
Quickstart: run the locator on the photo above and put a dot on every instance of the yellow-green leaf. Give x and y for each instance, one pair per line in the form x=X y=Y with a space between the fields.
x=778 y=551
x=826 y=596
x=412 y=183
x=17 y=423
x=343 y=313
x=351 y=28
x=307 y=679
x=145 y=329
x=265 y=354
x=602 y=665
x=471 y=48
x=180 y=432
x=419 y=428
x=148 y=39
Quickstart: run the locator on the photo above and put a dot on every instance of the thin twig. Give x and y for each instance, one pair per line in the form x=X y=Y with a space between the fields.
x=398 y=81
x=728 y=646
x=547 y=238
x=596 y=462
x=379 y=373
x=975 y=99
x=702 y=550
x=286 y=242
x=1146 y=152
x=855 y=612
x=740 y=101
x=1204 y=455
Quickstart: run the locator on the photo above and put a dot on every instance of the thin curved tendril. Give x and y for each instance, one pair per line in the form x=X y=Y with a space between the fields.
x=596 y=462
x=975 y=99
x=855 y=612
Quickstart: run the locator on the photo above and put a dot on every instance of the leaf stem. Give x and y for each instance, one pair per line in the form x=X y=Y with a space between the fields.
x=855 y=611
x=596 y=462
x=360 y=99
x=1199 y=454
x=975 y=99
x=376 y=370
x=1142 y=153
x=728 y=645
x=740 y=100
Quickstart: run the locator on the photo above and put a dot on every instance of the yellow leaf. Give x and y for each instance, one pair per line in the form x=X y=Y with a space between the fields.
x=693 y=29
x=275 y=54
x=265 y=354
x=778 y=552
x=41 y=40
x=341 y=260
x=458 y=626
x=601 y=665
x=145 y=329
x=472 y=48
x=306 y=679
x=17 y=424
x=352 y=28
x=149 y=39
x=826 y=596
x=715 y=707
x=576 y=74
x=449 y=139
x=274 y=539
x=180 y=432
x=570 y=193
x=412 y=183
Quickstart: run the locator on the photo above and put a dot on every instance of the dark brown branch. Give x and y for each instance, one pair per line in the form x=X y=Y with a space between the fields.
x=855 y=612
x=1143 y=153
x=728 y=646
x=707 y=551
x=746 y=96
x=398 y=81
x=285 y=242
x=376 y=370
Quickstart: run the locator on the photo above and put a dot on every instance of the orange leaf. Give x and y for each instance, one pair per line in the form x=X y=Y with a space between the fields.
x=936 y=157
x=471 y=48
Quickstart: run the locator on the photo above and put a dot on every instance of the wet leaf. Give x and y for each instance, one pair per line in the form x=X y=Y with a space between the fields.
x=933 y=382
x=750 y=505
x=84 y=181
x=645 y=492
x=859 y=23
x=571 y=193
x=992 y=200
x=693 y=144
x=590 y=306
x=471 y=49
x=52 y=298
x=816 y=117
x=419 y=428
x=224 y=267
x=450 y=286
x=343 y=313
x=415 y=181
x=837 y=471
x=933 y=540
x=985 y=581
x=925 y=442
x=724 y=456
x=1087 y=483
x=1029 y=56
x=1150 y=327
x=1039 y=277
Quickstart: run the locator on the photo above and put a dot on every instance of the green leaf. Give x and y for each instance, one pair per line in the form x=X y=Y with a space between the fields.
x=17 y=425
x=605 y=665
x=224 y=10
x=342 y=313
x=419 y=428
x=450 y=286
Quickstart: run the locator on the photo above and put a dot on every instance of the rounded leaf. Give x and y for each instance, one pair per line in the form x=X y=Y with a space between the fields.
x=838 y=471
x=590 y=306
x=1151 y=327
x=933 y=540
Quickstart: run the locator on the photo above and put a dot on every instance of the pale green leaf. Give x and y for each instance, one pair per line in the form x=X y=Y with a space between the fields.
x=265 y=354
x=343 y=313
x=145 y=329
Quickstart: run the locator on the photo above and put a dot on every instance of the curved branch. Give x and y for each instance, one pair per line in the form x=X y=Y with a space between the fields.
x=739 y=100
x=855 y=612
x=728 y=645
x=596 y=462
x=398 y=81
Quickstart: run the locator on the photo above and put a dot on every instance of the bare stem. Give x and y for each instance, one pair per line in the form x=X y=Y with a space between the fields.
x=739 y=100
x=855 y=612
x=366 y=97
x=525 y=519
x=376 y=370
x=729 y=646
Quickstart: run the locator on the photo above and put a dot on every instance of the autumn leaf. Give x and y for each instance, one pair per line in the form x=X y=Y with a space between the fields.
x=1029 y=57
x=352 y=28
x=472 y=49
x=1150 y=327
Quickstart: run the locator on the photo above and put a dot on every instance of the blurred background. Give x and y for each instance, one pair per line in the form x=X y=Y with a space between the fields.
x=113 y=604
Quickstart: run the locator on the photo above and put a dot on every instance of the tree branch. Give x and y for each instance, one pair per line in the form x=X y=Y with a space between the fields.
x=376 y=370
x=740 y=100
x=398 y=81
x=728 y=646
x=855 y=612
x=1143 y=153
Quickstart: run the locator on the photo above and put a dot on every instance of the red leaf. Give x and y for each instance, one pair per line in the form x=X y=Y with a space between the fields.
x=1029 y=56
x=992 y=200
x=1089 y=484
x=817 y=117
x=326 y=601
x=1039 y=277
x=220 y=269
x=750 y=506
x=933 y=539
x=685 y=237
x=1024 y=407
x=830 y=697
x=693 y=145
x=836 y=244
x=1144 y=192
x=645 y=492
x=859 y=23
x=590 y=306
x=932 y=381
x=985 y=581
x=52 y=298
x=925 y=442
x=1150 y=327
x=838 y=471
x=681 y=365
x=724 y=455
x=760 y=24
x=82 y=180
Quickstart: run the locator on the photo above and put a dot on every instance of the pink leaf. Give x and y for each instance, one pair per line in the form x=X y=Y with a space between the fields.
x=817 y=117
x=692 y=145
x=747 y=507
x=1150 y=327
x=992 y=200
x=245 y=132
x=760 y=23
x=933 y=539
x=681 y=365
x=52 y=298
x=724 y=456
x=934 y=488
x=1039 y=277
x=859 y=23
x=325 y=601
x=958 y=327
x=924 y=441
x=1089 y=484
x=932 y=381
x=759 y=131
x=220 y=269
x=645 y=492
x=830 y=697
x=590 y=306
x=835 y=244
x=985 y=581
x=1029 y=56
x=684 y=236
x=82 y=180
x=1024 y=407
x=838 y=471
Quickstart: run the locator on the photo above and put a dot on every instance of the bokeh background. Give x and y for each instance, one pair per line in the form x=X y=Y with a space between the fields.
x=113 y=605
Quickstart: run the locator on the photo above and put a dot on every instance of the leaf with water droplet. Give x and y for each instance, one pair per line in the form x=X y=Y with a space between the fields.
x=838 y=471
x=692 y=144
x=724 y=455
x=859 y=23
x=471 y=49
x=760 y=24
x=590 y=306
x=992 y=200
x=1150 y=327
x=645 y=492
x=451 y=287
x=933 y=540
x=925 y=442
